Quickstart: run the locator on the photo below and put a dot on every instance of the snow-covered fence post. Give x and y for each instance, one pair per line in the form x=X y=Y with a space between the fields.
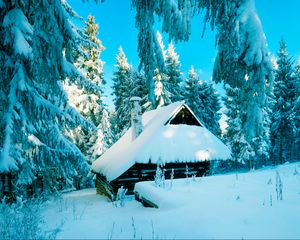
x=172 y=178
x=163 y=178
x=187 y=171
x=279 y=186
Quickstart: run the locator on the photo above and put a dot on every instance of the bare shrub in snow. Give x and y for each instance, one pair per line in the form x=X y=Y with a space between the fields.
x=133 y=228
x=279 y=186
x=296 y=172
x=23 y=220
x=111 y=232
x=270 y=181
x=194 y=177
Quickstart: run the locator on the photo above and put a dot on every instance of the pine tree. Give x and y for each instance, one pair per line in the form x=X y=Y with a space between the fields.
x=176 y=21
x=122 y=87
x=162 y=95
x=103 y=138
x=234 y=136
x=91 y=66
x=140 y=89
x=202 y=98
x=243 y=61
x=34 y=105
x=191 y=90
x=210 y=105
x=174 y=74
x=296 y=113
x=237 y=47
x=283 y=121
x=88 y=102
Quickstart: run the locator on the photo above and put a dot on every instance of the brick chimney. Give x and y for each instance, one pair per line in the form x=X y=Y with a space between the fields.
x=136 y=117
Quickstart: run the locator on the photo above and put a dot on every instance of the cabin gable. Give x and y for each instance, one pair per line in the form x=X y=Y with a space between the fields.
x=183 y=116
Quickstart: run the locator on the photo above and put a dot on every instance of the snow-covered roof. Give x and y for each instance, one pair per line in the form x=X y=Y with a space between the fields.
x=161 y=143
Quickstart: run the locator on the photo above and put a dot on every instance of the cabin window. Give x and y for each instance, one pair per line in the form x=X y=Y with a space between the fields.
x=184 y=116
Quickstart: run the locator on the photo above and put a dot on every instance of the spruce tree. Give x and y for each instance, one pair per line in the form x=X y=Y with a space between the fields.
x=234 y=136
x=91 y=66
x=283 y=122
x=122 y=87
x=86 y=101
x=191 y=90
x=162 y=95
x=210 y=105
x=202 y=98
x=34 y=109
x=140 y=89
x=103 y=138
x=238 y=47
x=175 y=75
x=296 y=113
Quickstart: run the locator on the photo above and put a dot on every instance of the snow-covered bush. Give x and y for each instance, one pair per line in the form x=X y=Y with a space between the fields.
x=120 y=198
x=159 y=178
x=23 y=220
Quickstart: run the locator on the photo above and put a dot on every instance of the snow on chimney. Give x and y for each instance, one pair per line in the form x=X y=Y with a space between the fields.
x=136 y=117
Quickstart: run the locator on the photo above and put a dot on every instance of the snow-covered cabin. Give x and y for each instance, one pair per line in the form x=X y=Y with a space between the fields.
x=170 y=136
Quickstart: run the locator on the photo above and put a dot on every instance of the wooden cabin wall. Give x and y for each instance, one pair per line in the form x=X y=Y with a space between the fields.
x=146 y=172
x=103 y=187
x=7 y=185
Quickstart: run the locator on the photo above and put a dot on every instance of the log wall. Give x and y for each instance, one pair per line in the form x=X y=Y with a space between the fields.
x=146 y=172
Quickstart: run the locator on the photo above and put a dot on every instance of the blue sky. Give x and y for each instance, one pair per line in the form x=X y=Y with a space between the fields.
x=117 y=28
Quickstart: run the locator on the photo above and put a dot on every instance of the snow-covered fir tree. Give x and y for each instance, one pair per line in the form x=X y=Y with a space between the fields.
x=191 y=90
x=140 y=89
x=283 y=127
x=122 y=87
x=203 y=99
x=88 y=102
x=103 y=138
x=89 y=63
x=34 y=110
x=234 y=136
x=162 y=95
x=174 y=74
x=237 y=46
x=296 y=112
x=161 y=79
x=243 y=61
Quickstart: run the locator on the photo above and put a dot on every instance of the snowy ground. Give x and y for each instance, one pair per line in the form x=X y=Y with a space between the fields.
x=228 y=206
